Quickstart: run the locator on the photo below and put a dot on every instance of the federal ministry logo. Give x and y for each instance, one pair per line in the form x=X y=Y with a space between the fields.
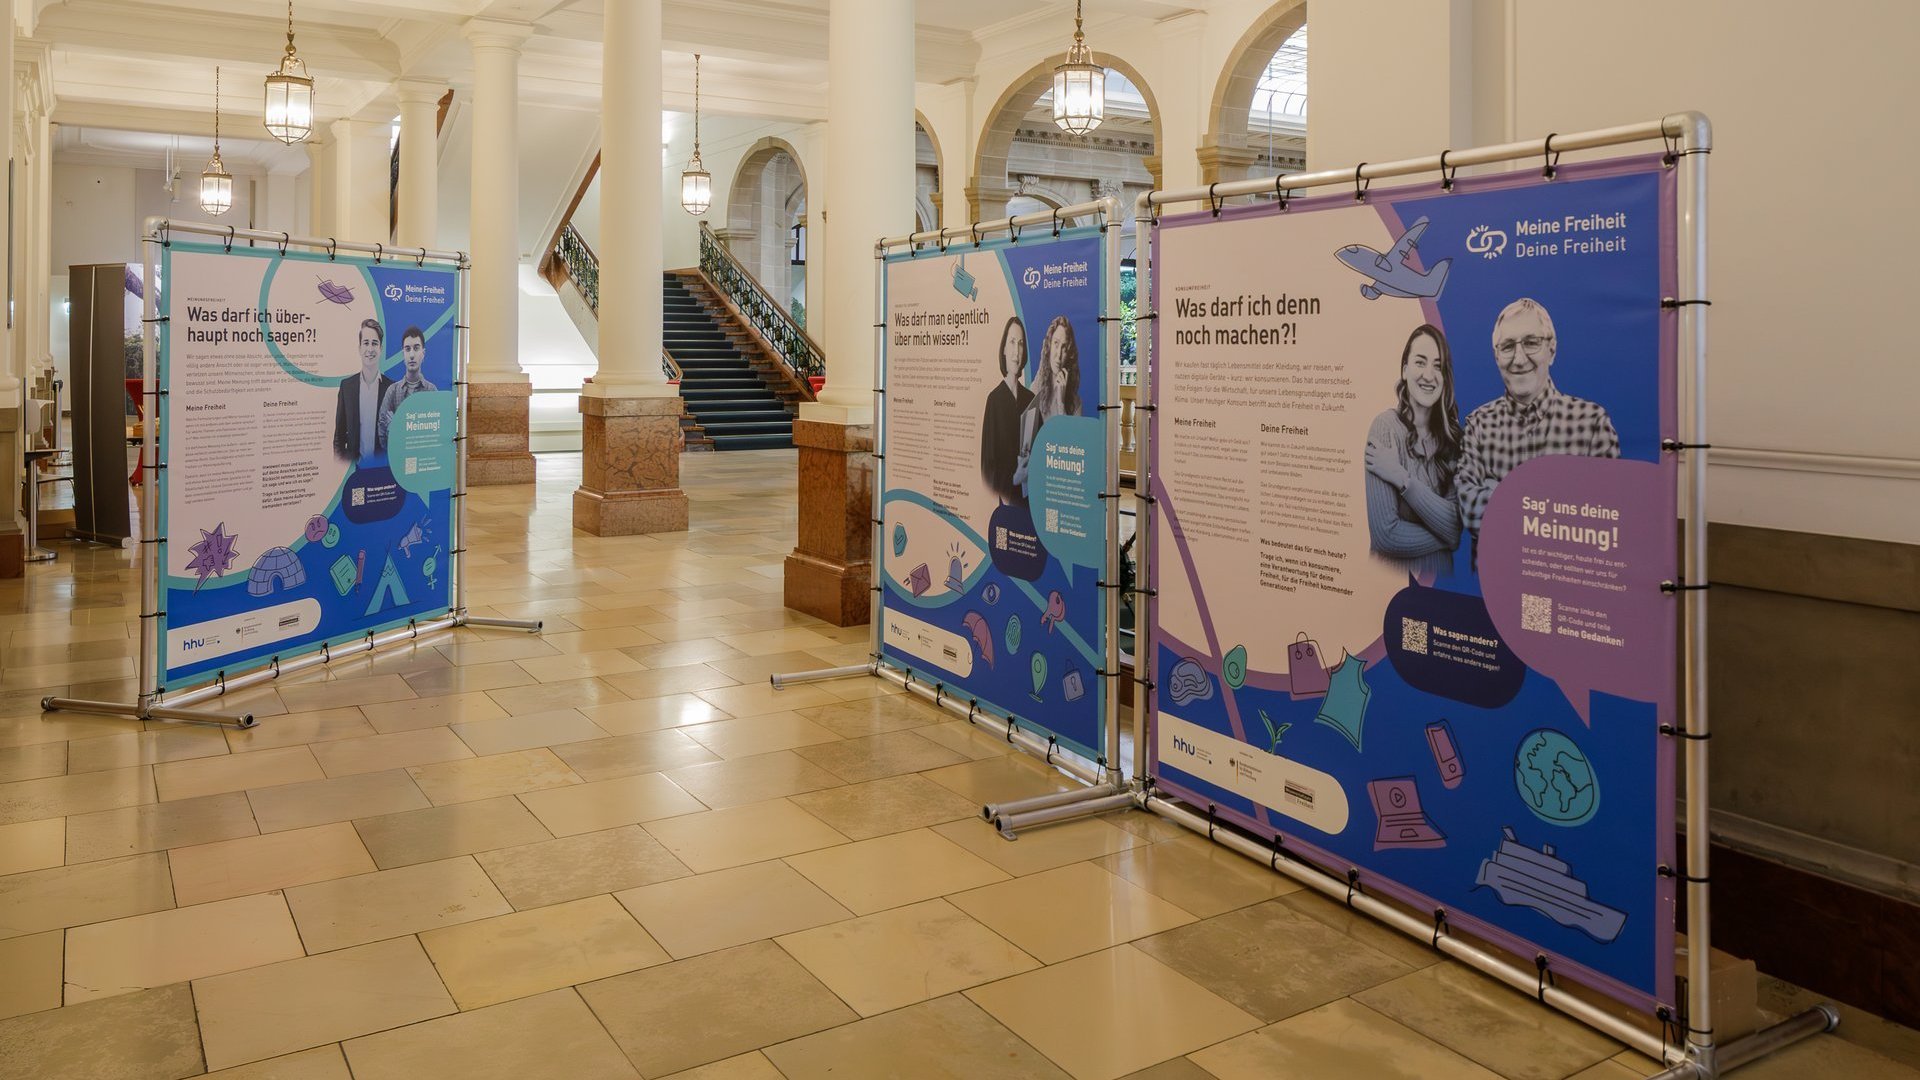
x=1031 y=279
x=393 y=292
x=1486 y=242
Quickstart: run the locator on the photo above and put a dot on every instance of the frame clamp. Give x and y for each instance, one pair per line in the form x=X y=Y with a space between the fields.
x=1675 y=732
x=1353 y=884
x=1439 y=926
x=1214 y=200
x=1545 y=972
x=1669 y=872
x=1360 y=184
x=1447 y=173
x=1682 y=586
x=1551 y=157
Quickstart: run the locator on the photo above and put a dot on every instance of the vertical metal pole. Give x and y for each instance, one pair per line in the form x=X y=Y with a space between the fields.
x=878 y=552
x=152 y=554
x=1110 y=415
x=1696 y=142
x=456 y=552
x=1144 y=520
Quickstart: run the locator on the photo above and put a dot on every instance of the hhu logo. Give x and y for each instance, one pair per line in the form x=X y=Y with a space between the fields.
x=1188 y=748
x=191 y=644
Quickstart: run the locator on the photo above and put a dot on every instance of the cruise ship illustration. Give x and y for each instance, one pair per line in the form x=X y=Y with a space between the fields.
x=1523 y=877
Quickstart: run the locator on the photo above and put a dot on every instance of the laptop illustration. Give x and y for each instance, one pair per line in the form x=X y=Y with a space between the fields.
x=1396 y=801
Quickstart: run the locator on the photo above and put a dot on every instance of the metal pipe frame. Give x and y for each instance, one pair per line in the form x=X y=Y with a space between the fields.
x=1071 y=764
x=1010 y=825
x=151 y=702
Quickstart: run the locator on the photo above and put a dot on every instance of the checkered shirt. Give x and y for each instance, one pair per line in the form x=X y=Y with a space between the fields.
x=1502 y=434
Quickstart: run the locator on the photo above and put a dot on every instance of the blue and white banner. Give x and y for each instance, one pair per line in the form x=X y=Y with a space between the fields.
x=994 y=457
x=308 y=442
x=1413 y=521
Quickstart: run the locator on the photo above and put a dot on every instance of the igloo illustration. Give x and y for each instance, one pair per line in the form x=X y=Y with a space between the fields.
x=277 y=564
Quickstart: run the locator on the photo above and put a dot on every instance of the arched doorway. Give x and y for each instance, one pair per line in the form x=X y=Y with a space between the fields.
x=1022 y=153
x=926 y=176
x=766 y=221
x=1257 y=122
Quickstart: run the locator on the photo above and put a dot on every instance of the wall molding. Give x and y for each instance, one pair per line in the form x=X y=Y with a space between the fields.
x=1805 y=461
x=1865 y=869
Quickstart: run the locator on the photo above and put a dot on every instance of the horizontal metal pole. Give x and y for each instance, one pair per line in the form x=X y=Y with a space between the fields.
x=272 y=672
x=1677 y=125
x=780 y=681
x=1025 y=740
x=1525 y=980
x=278 y=239
x=1815 y=1021
x=133 y=711
x=104 y=708
x=531 y=626
x=1010 y=824
x=1042 y=802
x=1108 y=208
x=198 y=716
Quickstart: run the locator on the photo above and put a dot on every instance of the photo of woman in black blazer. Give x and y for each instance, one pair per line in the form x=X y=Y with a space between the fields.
x=1000 y=446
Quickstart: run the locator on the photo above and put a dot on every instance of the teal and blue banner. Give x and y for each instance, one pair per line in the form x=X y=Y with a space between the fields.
x=308 y=442
x=994 y=459
x=1414 y=516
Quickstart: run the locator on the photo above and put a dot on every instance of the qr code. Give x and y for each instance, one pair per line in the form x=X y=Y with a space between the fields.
x=1053 y=520
x=1536 y=613
x=1000 y=537
x=1413 y=635
x=359 y=496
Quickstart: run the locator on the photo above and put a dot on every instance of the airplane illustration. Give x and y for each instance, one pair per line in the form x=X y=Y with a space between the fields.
x=1390 y=274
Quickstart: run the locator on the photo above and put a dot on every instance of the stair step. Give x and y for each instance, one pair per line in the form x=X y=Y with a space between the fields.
x=734 y=421
x=753 y=442
x=741 y=405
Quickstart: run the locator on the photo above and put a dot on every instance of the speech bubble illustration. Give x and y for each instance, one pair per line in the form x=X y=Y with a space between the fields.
x=1573 y=552
x=420 y=443
x=1443 y=643
x=1066 y=469
x=1013 y=545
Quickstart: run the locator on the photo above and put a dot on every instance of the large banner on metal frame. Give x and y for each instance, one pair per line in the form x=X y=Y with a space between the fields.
x=1414 y=519
x=994 y=461
x=308 y=440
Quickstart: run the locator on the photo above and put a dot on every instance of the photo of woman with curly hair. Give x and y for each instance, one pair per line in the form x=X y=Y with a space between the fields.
x=1413 y=455
x=1056 y=389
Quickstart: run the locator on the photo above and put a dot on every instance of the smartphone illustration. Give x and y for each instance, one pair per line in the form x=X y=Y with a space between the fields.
x=1446 y=754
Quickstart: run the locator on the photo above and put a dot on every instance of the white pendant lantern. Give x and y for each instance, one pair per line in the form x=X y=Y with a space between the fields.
x=696 y=184
x=216 y=183
x=289 y=111
x=1079 y=86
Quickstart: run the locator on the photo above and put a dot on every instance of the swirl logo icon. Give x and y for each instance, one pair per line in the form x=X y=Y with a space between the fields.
x=1031 y=279
x=392 y=292
x=1486 y=242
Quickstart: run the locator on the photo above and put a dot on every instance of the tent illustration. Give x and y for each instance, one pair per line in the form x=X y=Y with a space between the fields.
x=275 y=565
x=389 y=583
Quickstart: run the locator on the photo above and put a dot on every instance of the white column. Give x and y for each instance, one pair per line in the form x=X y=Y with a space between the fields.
x=362 y=180
x=631 y=259
x=42 y=269
x=320 y=186
x=869 y=187
x=419 y=224
x=495 y=207
x=13 y=540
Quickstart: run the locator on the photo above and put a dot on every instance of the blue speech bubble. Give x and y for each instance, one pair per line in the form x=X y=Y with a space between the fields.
x=1013 y=545
x=420 y=443
x=1065 y=472
x=1444 y=643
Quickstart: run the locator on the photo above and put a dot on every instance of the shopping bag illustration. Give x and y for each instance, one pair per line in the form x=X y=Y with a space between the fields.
x=1306 y=674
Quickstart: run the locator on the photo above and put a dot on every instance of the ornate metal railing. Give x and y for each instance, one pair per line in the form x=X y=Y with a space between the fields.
x=583 y=269
x=767 y=315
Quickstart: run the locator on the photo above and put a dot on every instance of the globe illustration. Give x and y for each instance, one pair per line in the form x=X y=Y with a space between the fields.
x=1554 y=778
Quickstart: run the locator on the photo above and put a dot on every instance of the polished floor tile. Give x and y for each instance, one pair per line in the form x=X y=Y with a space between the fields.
x=550 y=1035
x=318 y=802
x=319 y=1063
x=529 y=952
x=875 y=757
x=693 y=915
x=1112 y=1013
x=54 y=796
x=874 y=716
x=879 y=807
x=568 y=694
x=296 y=729
x=738 y=835
x=236 y=772
x=92 y=892
x=752 y=779
x=948 y=1038
x=1000 y=779
x=442 y=832
x=753 y=1066
x=34 y=966
x=33 y=761
x=1340 y=1039
x=692 y=1012
x=759 y=734
x=762 y=642
x=492 y=776
x=555 y=871
x=145 y=951
x=371 y=690
x=679 y=679
x=565 y=667
x=353 y=911
x=1074 y=909
x=274 y=1010
x=496 y=649
x=1042 y=848
x=625 y=755
x=623 y=638
x=378 y=753
x=461 y=682
x=759 y=698
x=1489 y=1023
x=903 y=955
x=145 y=748
x=270 y=861
x=652 y=714
x=607 y=804
x=33 y=845
x=1202 y=877
x=440 y=710
x=509 y=733
x=891 y=871
x=131 y=1037
x=1271 y=960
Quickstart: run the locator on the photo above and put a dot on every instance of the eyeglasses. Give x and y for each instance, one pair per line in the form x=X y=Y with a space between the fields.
x=1532 y=343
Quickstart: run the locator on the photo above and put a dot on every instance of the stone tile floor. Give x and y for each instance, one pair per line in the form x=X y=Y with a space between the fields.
x=612 y=851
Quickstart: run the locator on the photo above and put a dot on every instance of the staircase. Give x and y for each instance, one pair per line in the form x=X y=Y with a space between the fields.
x=723 y=387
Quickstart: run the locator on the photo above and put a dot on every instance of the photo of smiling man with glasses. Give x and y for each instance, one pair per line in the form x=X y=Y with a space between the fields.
x=1532 y=419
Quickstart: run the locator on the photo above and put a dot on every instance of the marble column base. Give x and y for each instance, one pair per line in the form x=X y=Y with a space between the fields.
x=830 y=573
x=629 y=467
x=497 y=448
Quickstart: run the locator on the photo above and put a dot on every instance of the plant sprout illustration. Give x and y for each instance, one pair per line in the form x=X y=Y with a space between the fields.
x=1273 y=733
x=213 y=555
